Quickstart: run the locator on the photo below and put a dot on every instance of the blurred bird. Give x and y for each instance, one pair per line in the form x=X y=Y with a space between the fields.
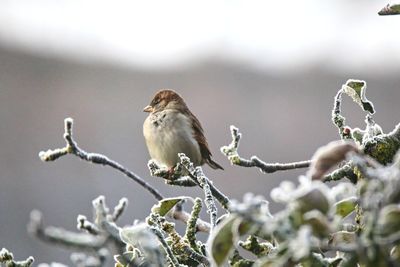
x=171 y=128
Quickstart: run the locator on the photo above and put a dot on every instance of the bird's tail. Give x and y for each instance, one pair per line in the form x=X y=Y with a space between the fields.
x=213 y=164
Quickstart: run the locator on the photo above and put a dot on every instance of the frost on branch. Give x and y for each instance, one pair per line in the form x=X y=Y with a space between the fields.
x=97 y=237
x=231 y=152
x=7 y=258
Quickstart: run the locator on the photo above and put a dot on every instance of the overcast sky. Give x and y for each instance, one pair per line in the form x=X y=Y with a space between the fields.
x=281 y=35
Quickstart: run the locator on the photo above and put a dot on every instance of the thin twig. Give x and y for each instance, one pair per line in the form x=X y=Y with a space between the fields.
x=231 y=151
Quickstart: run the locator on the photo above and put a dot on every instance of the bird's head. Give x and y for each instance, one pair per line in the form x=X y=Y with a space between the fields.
x=165 y=99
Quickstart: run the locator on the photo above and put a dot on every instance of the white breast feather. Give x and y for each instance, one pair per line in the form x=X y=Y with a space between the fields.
x=168 y=133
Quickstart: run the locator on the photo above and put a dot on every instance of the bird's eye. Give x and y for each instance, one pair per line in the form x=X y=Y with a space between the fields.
x=156 y=101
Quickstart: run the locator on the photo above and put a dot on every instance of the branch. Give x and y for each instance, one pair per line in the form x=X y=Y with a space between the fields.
x=390 y=10
x=7 y=258
x=231 y=151
x=85 y=224
x=183 y=177
x=60 y=236
x=346 y=171
x=202 y=180
x=172 y=259
x=119 y=209
x=98 y=237
x=185 y=217
x=190 y=234
x=178 y=245
x=337 y=118
x=72 y=148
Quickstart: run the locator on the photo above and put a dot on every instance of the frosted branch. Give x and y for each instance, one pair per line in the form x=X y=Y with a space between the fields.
x=337 y=118
x=181 y=176
x=201 y=226
x=7 y=258
x=60 y=236
x=73 y=148
x=172 y=259
x=177 y=244
x=85 y=224
x=119 y=209
x=346 y=171
x=99 y=236
x=176 y=177
x=190 y=233
x=203 y=182
x=231 y=151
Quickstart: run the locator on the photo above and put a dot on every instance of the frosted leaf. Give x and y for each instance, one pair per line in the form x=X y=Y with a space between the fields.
x=356 y=90
x=139 y=236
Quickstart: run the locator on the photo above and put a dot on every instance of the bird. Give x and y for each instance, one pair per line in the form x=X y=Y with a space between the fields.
x=171 y=128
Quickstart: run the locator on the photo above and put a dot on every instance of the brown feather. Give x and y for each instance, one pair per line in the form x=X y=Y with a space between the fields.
x=198 y=133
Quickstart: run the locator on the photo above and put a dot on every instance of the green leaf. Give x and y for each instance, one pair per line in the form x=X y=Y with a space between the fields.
x=223 y=239
x=346 y=206
x=356 y=90
x=165 y=205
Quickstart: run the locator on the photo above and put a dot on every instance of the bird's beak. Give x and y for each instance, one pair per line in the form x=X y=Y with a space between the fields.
x=148 y=109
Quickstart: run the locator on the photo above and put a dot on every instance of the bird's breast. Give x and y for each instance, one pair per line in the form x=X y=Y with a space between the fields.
x=168 y=133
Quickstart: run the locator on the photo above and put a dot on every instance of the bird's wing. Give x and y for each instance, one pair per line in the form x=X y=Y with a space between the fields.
x=201 y=140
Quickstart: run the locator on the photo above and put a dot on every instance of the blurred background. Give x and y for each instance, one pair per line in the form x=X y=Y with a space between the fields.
x=270 y=68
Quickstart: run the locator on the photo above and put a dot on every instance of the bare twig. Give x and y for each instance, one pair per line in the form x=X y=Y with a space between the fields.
x=231 y=151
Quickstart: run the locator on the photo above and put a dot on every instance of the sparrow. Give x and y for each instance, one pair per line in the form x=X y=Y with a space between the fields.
x=171 y=128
